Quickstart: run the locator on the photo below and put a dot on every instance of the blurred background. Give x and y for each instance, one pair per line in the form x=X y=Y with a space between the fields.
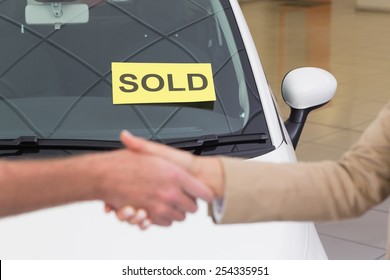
x=351 y=39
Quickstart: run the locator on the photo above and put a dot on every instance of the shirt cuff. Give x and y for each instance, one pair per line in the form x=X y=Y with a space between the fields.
x=218 y=209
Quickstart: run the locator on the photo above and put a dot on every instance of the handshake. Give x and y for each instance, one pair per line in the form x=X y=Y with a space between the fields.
x=165 y=183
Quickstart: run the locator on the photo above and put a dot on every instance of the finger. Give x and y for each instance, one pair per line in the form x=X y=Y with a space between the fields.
x=107 y=208
x=186 y=203
x=130 y=141
x=195 y=188
x=177 y=215
x=139 y=144
x=166 y=215
x=145 y=224
x=139 y=217
x=125 y=213
x=162 y=222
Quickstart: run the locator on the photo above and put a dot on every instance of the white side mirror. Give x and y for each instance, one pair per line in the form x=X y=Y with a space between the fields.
x=308 y=87
x=305 y=89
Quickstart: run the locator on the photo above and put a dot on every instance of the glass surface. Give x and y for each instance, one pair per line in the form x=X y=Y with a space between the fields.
x=56 y=83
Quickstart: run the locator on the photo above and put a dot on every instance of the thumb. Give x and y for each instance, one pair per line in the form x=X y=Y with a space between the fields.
x=181 y=158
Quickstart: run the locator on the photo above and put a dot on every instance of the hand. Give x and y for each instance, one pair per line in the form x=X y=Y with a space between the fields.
x=165 y=190
x=208 y=169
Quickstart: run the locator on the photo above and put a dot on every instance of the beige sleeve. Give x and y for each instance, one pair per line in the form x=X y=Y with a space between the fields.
x=317 y=191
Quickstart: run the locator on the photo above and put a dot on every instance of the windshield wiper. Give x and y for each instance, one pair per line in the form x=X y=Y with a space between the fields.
x=198 y=145
x=35 y=143
x=212 y=141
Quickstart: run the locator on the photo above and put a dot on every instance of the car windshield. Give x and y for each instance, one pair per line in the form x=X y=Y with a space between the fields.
x=56 y=69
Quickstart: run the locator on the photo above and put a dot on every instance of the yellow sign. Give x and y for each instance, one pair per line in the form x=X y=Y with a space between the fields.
x=139 y=83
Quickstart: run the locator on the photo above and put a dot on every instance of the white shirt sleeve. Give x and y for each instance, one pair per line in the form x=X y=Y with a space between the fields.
x=218 y=207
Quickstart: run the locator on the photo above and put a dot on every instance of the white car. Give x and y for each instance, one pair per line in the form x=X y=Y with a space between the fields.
x=186 y=73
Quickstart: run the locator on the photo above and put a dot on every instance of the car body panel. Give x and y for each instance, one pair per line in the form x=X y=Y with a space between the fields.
x=83 y=231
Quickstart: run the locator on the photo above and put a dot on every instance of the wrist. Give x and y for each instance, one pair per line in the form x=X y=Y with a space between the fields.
x=220 y=178
x=210 y=171
x=92 y=177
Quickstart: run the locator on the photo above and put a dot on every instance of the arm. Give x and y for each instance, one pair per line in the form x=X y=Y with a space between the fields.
x=254 y=191
x=312 y=191
x=118 y=178
x=32 y=185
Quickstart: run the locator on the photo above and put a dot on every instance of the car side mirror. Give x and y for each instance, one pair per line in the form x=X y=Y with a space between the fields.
x=305 y=89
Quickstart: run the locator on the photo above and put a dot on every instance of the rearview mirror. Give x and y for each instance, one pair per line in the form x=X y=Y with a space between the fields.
x=305 y=89
x=56 y=13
